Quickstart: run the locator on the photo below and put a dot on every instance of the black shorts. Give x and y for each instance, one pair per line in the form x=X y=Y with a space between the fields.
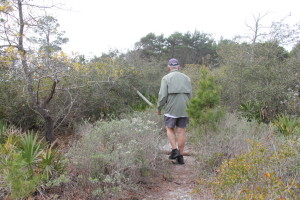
x=180 y=122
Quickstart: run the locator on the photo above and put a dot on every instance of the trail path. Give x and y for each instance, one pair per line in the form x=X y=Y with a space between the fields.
x=177 y=183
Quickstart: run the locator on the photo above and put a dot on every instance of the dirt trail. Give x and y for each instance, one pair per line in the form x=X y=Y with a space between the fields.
x=177 y=183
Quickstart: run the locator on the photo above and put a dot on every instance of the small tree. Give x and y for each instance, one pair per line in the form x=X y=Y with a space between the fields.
x=39 y=74
x=49 y=37
x=203 y=108
x=260 y=69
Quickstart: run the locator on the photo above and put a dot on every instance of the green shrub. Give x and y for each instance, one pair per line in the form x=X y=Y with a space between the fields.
x=31 y=150
x=250 y=110
x=3 y=129
x=18 y=179
x=52 y=161
x=25 y=164
x=115 y=154
x=287 y=125
x=203 y=108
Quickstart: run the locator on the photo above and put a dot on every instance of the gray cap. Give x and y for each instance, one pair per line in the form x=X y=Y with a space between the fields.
x=173 y=62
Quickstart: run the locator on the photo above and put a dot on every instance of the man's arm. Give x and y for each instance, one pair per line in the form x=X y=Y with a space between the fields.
x=190 y=94
x=162 y=96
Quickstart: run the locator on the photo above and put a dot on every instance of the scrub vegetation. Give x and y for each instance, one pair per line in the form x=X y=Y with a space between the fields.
x=115 y=156
x=247 y=160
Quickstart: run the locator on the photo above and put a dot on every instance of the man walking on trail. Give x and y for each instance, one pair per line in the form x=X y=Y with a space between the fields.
x=174 y=95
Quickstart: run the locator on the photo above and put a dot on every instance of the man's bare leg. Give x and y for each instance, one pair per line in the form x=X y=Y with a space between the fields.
x=181 y=139
x=172 y=137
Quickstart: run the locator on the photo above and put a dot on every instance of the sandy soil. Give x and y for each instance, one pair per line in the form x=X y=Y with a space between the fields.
x=177 y=183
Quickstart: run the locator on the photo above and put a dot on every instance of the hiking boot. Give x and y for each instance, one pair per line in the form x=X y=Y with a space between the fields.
x=174 y=154
x=180 y=160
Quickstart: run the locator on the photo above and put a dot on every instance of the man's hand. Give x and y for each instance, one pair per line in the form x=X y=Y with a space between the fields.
x=158 y=112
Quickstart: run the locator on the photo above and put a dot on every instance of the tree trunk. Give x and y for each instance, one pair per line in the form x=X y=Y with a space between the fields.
x=48 y=121
x=48 y=128
x=34 y=98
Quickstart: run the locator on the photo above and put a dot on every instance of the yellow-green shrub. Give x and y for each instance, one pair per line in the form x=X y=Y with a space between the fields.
x=264 y=172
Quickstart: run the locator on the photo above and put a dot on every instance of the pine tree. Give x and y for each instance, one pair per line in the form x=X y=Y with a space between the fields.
x=203 y=108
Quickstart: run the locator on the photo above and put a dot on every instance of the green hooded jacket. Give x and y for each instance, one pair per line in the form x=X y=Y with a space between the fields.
x=175 y=93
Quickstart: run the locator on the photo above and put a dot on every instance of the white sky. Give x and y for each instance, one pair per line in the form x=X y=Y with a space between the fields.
x=95 y=26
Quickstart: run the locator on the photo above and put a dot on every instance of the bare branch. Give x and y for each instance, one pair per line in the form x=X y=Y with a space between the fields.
x=54 y=74
x=42 y=6
x=256 y=28
x=37 y=93
x=68 y=112
x=82 y=86
x=8 y=45
x=46 y=102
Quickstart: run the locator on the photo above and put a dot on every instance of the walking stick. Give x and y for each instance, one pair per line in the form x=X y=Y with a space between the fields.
x=143 y=97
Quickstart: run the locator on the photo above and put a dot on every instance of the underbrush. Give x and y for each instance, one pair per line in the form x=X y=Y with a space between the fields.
x=247 y=160
x=27 y=164
x=114 y=156
x=229 y=138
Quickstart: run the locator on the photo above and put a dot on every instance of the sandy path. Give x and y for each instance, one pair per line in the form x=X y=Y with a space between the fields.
x=177 y=183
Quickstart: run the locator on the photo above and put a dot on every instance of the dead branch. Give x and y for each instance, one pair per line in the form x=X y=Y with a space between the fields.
x=67 y=114
x=46 y=102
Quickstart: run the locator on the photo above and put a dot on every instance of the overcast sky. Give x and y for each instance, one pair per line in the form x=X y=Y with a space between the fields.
x=96 y=26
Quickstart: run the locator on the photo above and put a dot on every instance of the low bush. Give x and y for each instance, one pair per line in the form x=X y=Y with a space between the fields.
x=114 y=155
x=250 y=110
x=263 y=172
x=226 y=141
x=287 y=125
x=247 y=160
x=25 y=164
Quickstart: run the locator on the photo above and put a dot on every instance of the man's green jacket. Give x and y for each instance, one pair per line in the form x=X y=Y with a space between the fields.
x=175 y=93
